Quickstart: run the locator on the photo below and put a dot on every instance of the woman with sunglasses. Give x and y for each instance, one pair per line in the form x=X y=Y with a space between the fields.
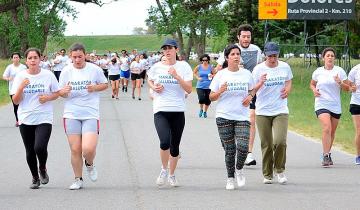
x=204 y=74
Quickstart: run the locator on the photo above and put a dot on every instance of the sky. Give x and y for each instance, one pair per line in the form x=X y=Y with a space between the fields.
x=116 y=18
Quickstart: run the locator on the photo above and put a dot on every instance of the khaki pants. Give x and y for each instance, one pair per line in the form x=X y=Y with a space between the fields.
x=273 y=132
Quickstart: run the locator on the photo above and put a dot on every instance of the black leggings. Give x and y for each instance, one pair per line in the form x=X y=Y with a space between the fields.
x=170 y=126
x=36 y=139
x=203 y=96
x=15 y=109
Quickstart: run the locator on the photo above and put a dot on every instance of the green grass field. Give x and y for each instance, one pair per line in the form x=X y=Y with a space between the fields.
x=113 y=43
x=4 y=91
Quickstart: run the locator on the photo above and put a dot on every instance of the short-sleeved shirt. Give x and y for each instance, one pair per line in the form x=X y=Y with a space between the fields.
x=172 y=97
x=229 y=105
x=81 y=104
x=250 y=57
x=31 y=111
x=354 y=77
x=11 y=71
x=114 y=69
x=135 y=67
x=328 y=88
x=268 y=97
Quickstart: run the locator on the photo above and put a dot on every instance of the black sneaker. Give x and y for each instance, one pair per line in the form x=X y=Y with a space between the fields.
x=326 y=160
x=125 y=89
x=35 y=183
x=330 y=160
x=139 y=99
x=44 y=177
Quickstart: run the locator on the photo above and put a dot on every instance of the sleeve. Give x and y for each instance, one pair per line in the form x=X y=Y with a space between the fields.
x=188 y=73
x=64 y=78
x=100 y=77
x=351 y=76
x=15 y=85
x=342 y=74
x=54 y=83
x=7 y=72
x=214 y=85
x=255 y=74
x=251 y=82
x=315 y=75
x=151 y=72
x=290 y=74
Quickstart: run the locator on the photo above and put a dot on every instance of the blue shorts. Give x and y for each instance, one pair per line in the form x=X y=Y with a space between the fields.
x=125 y=74
x=78 y=127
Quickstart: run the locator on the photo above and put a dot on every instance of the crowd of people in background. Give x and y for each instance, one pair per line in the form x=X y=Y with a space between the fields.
x=250 y=87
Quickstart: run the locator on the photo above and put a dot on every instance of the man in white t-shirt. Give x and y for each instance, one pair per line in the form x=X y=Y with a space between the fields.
x=250 y=57
x=59 y=63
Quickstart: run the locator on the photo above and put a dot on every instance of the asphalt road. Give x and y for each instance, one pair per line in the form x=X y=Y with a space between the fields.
x=128 y=164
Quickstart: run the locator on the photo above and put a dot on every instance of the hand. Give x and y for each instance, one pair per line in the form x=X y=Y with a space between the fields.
x=247 y=100
x=263 y=78
x=25 y=83
x=10 y=78
x=337 y=79
x=66 y=89
x=284 y=93
x=43 y=99
x=158 y=88
x=316 y=92
x=172 y=72
x=91 y=88
x=223 y=88
x=353 y=87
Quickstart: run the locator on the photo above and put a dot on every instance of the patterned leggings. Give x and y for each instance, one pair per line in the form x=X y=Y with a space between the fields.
x=234 y=137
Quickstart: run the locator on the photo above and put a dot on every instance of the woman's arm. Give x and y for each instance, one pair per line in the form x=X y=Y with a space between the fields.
x=313 y=88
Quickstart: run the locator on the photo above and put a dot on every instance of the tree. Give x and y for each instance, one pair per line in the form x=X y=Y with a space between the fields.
x=139 y=31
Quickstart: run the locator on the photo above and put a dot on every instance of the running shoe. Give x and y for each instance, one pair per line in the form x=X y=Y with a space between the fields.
x=78 y=184
x=44 y=177
x=125 y=89
x=326 y=160
x=204 y=114
x=162 y=177
x=357 y=160
x=173 y=181
x=282 y=178
x=139 y=99
x=200 y=112
x=267 y=181
x=35 y=184
x=92 y=172
x=250 y=160
x=230 y=184
x=330 y=160
x=240 y=178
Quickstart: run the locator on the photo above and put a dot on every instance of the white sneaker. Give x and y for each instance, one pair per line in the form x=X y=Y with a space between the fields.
x=230 y=184
x=78 y=184
x=92 y=172
x=250 y=160
x=162 y=177
x=267 y=181
x=173 y=181
x=240 y=178
x=282 y=178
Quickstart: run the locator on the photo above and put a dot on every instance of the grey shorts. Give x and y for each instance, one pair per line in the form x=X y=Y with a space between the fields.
x=73 y=126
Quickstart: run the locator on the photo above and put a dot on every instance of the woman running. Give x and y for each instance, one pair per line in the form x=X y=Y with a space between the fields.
x=114 y=76
x=136 y=69
x=81 y=83
x=33 y=90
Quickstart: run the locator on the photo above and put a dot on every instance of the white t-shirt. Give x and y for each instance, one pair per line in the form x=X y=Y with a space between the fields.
x=45 y=65
x=354 y=77
x=229 y=105
x=329 y=90
x=172 y=97
x=125 y=63
x=249 y=57
x=268 y=97
x=63 y=62
x=12 y=71
x=136 y=67
x=114 y=69
x=31 y=111
x=80 y=104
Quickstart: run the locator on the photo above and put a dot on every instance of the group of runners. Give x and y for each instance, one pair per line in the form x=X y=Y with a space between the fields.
x=245 y=74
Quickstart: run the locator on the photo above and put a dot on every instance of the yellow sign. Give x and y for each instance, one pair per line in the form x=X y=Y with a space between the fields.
x=272 y=9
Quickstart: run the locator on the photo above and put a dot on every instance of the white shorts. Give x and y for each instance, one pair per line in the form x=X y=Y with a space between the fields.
x=73 y=126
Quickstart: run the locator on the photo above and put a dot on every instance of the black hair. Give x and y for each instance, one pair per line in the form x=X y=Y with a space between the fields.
x=15 y=53
x=76 y=47
x=327 y=50
x=63 y=50
x=204 y=56
x=245 y=27
x=229 y=48
x=32 y=49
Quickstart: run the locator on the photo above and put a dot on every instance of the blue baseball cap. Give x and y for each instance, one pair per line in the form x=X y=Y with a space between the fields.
x=169 y=42
x=271 y=48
